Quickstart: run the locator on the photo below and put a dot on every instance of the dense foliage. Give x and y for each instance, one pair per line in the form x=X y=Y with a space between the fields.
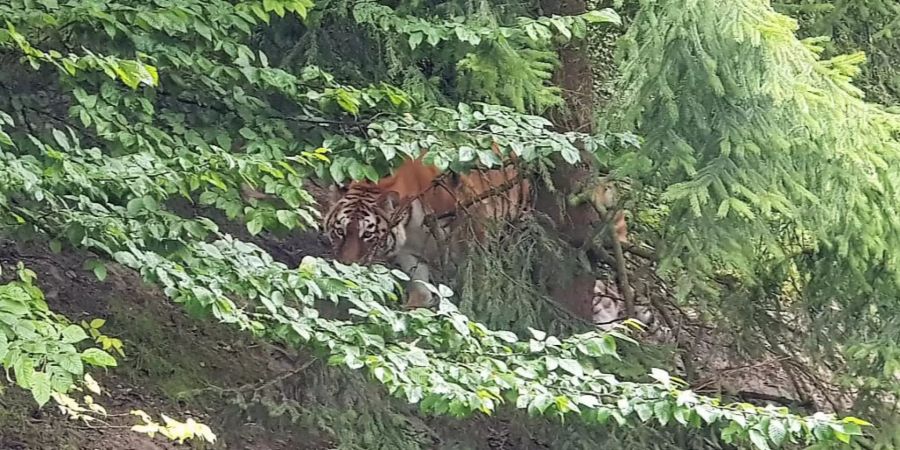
x=39 y=347
x=749 y=128
x=853 y=26
x=111 y=112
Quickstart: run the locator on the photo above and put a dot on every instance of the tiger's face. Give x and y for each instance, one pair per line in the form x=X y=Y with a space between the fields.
x=358 y=224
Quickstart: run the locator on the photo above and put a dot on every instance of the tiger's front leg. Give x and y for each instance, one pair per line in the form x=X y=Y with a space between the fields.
x=417 y=294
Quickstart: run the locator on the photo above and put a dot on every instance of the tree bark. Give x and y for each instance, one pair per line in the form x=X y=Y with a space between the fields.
x=575 y=224
x=574 y=77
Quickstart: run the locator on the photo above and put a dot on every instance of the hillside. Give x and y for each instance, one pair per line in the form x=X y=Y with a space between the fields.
x=258 y=396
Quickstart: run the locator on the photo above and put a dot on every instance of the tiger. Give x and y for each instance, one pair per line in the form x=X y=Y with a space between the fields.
x=407 y=218
x=385 y=222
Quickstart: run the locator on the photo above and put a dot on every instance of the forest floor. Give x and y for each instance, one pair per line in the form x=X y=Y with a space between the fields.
x=168 y=357
x=176 y=365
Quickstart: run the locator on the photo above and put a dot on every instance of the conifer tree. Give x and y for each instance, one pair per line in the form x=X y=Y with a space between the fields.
x=778 y=180
x=852 y=25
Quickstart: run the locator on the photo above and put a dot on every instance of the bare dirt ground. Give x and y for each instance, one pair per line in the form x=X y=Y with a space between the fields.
x=167 y=355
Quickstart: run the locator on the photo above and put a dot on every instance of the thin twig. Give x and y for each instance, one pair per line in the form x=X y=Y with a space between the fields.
x=497 y=190
x=622 y=272
x=253 y=387
x=701 y=384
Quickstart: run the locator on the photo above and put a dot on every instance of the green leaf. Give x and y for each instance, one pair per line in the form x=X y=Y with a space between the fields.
x=608 y=345
x=97 y=357
x=356 y=171
x=434 y=36
x=570 y=154
x=135 y=206
x=336 y=170
x=5 y=139
x=507 y=336
x=841 y=436
x=85 y=117
x=571 y=366
x=150 y=203
x=23 y=368
x=347 y=102
x=538 y=334
x=61 y=139
x=644 y=411
x=856 y=421
x=302 y=331
x=604 y=15
x=248 y=134
x=255 y=226
x=40 y=388
x=540 y=403
x=460 y=324
x=73 y=334
x=25 y=329
x=852 y=429
x=588 y=400
x=415 y=39
x=466 y=153
x=286 y=218
x=708 y=414
x=663 y=412
x=777 y=431
x=526 y=373
x=661 y=376
x=126 y=259
x=444 y=291
x=15 y=307
x=71 y=363
x=371 y=173
x=100 y=270
x=488 y=158
x=4 y=345
x=203 y=30
x=758 y=439
x=686 y=398
x=681 y=414
x=61 y=381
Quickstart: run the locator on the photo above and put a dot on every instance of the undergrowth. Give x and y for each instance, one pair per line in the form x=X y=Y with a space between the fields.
x=503 y=281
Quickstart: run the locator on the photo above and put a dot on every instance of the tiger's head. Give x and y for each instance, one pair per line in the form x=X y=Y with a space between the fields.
x=359 y=224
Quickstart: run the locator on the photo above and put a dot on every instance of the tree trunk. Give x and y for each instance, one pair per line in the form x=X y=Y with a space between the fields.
x=574 y=223
x=574 y=75
x=575 y=79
